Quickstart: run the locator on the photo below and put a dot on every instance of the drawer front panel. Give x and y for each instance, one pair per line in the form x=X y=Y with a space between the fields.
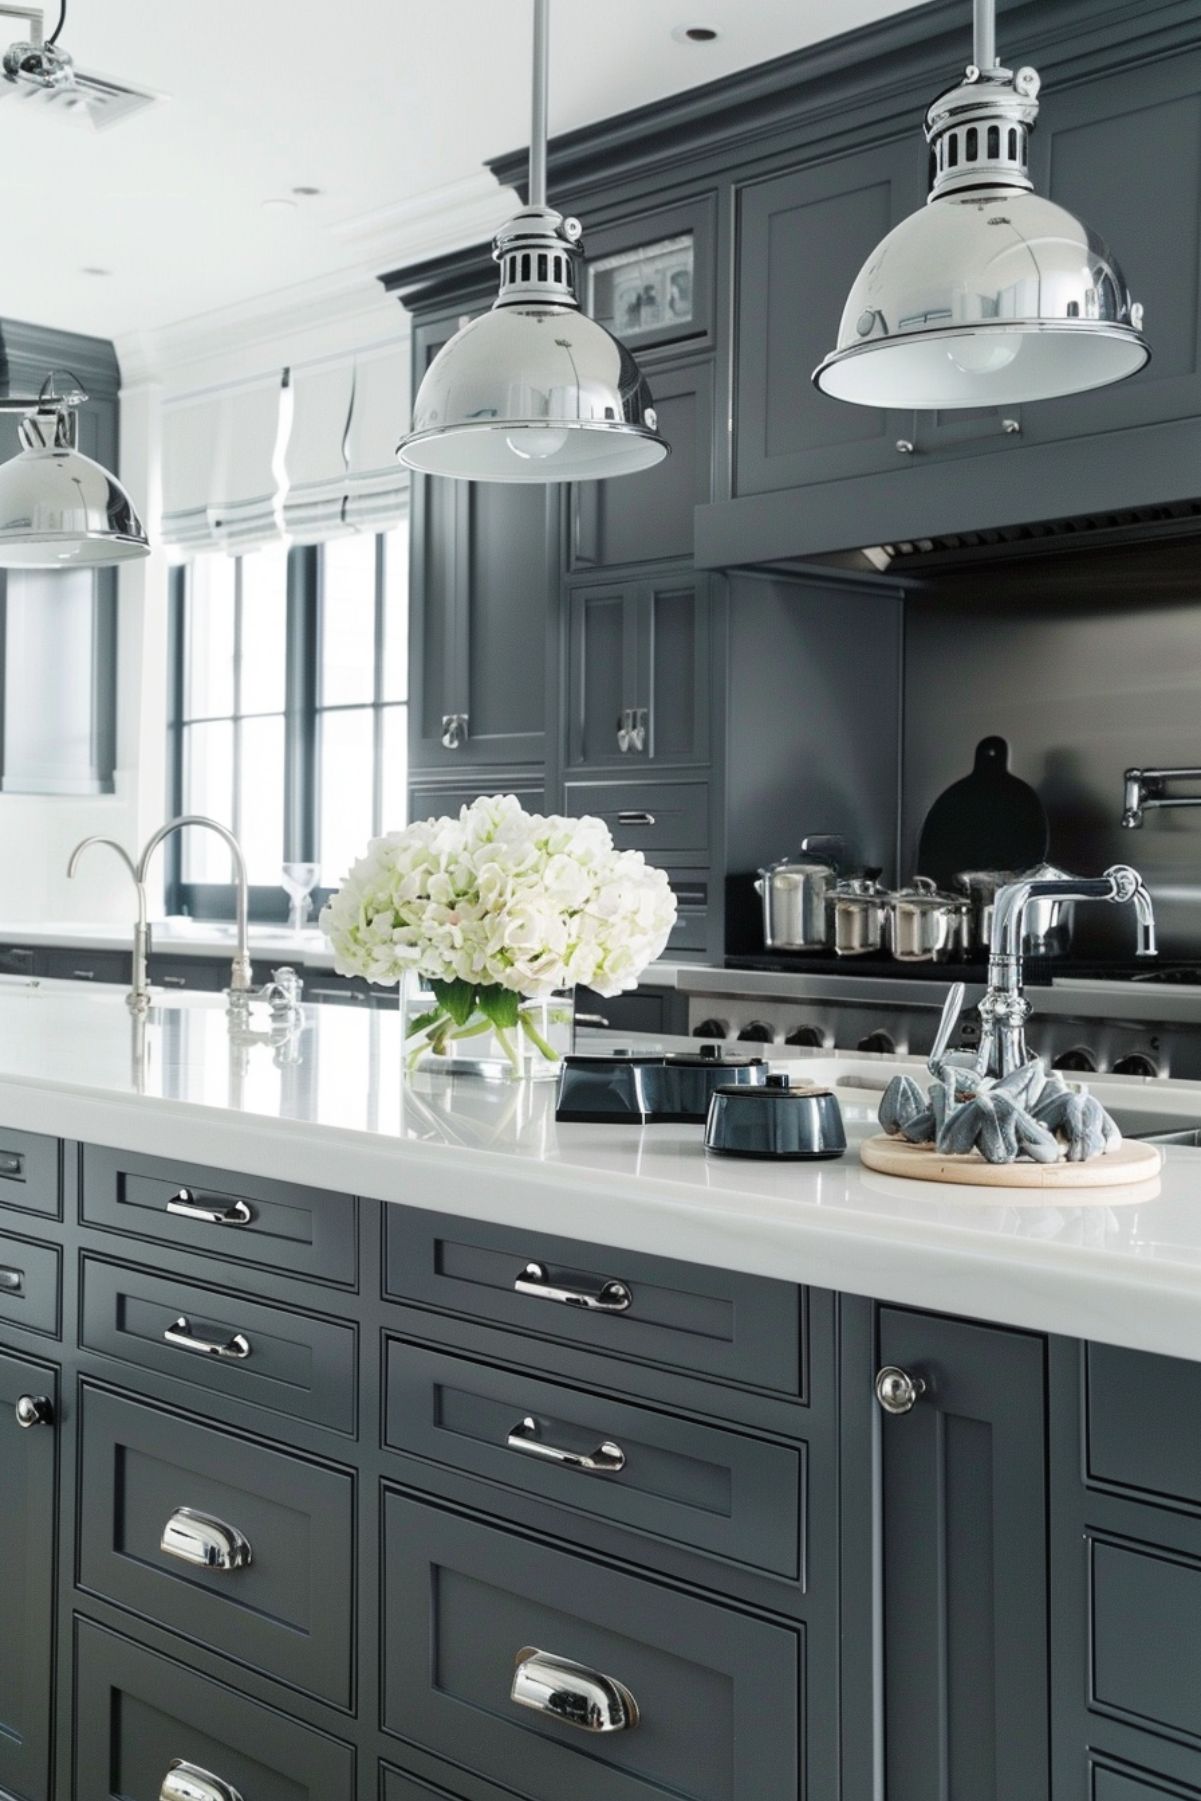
x=650 y=816
x=287 y=1610
x=709 y=1322
x=294 y=1364
x=304 y=1231
x=716 y=1693
x=1143 y=1418
x=86 y=966
x=1146 y=1614
x=136 y=1713
x=30 y=1178
x=717 y=1492
x=29 y=1285
x=1116 y=1785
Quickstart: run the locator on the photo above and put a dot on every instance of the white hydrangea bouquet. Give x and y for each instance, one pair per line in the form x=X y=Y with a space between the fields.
x=485 y=921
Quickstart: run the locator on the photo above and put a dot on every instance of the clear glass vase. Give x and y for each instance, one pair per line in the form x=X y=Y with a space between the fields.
x=530 y=1049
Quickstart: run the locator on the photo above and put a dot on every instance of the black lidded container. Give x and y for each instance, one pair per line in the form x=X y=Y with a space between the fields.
x=689 y=1080
x=776 y=1120
x=617 y=1088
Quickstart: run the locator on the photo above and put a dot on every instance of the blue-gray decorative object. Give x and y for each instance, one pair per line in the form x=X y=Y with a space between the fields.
x=1030 y=1113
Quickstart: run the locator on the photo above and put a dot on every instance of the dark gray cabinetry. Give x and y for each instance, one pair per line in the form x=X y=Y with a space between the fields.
x=964 y=1559
x=30 y=1172
x=84 y=966
x=29 y=1285
x=27 y=1510
x=638 y=684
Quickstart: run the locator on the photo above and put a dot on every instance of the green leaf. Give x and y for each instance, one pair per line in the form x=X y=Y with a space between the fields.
x=424 y=1022
x=501 y=1005
x=456 y=998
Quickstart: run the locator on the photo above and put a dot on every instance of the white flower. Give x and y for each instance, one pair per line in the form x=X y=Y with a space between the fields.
x=501 y=897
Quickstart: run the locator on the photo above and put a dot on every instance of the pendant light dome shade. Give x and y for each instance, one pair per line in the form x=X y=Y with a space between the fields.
x=58 y=508
x=992 y=295
x=534 y=391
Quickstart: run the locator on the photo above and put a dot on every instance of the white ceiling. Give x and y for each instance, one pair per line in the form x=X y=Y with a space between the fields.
x=388 y=106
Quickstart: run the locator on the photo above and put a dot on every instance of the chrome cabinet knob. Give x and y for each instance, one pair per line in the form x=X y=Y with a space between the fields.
x=188 y=1782
x=897 y=1391
x=201 y=1539
x=572 y=1693
x=34 y=1410
x=455 y=730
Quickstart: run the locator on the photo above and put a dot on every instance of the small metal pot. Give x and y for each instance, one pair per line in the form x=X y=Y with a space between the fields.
x=925 y=926
x=857 y=907
x=776 y=1120
x=794 y=893
x=980 y=886
x=1049 y=918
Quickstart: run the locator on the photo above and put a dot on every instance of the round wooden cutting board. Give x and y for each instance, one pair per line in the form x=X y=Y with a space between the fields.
x=1131 y=1162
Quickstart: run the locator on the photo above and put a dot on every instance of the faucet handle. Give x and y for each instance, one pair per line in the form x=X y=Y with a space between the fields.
x=951 y=1009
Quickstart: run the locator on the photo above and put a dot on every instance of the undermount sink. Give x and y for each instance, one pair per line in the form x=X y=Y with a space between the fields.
x=1157 y=1128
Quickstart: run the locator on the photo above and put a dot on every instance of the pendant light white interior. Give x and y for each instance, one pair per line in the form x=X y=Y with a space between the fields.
x=534 y=391
x=58 y=508
x=992 y=295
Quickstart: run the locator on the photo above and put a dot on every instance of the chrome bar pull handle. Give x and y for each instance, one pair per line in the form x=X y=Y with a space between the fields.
x=897 y=1391
x=182 y=1335
x=611 y=1297
x=625 y=731
x=12 y=1163
x=201 y=1539
x=188 y=1782
x=34 y=1410
x=571 y=1693
x=635 y=818
x=187 y=1206
x=12 y=1281
x=607 y=1459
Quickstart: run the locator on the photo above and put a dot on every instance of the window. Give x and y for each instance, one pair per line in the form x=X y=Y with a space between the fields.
x=289 y=720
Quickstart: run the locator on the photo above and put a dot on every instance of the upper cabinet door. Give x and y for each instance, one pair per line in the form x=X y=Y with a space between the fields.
x=673 y=654
x=27 y=1483
x=648 y=517
x=964 y=1554
x=438 y=622
x=602 y=681
x=802 y=239
x=1124 y=155
x=650 y=277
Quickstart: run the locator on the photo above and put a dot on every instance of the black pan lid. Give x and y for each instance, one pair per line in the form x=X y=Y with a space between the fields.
x=780 y=1088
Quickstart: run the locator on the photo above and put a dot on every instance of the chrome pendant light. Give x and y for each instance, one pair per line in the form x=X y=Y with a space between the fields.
x=991 y=294
x=534 y=391
x=58 y=508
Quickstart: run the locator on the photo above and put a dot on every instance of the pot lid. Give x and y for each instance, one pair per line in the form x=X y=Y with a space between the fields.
x=713 y=1056
x=925 y=894
x=608 y=1059
x=778 y=1088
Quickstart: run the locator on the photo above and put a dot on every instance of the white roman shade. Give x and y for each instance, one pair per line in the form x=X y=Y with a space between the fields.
x=189 y=456
x=323 y=396
x=377 y=490
x=244 y=505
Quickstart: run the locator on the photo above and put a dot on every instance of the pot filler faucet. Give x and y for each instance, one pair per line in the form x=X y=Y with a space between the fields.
x=138 y=998
x=1004 y=1009
x=1145 y=793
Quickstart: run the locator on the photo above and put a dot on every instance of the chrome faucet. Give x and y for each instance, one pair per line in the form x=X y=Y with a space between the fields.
x=1144 y=793
x=138 y=998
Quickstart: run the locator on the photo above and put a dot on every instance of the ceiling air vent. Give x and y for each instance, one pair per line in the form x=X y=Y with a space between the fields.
x=92 y=99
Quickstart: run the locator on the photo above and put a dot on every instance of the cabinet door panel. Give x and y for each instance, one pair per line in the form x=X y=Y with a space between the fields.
x=803 y=237
x=651 y=519
x=507 y=585
x=673 y=642
x=603 y=675
x=965 y=1570
x=27 y=1459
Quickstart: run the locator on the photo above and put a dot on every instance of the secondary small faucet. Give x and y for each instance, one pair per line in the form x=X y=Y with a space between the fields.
x=1144 y=793
x=138 y=998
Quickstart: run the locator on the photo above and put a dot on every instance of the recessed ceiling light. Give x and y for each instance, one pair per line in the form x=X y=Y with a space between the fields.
x=695 y=34
x=279 y=205
x=94 y=269
x=307 y=193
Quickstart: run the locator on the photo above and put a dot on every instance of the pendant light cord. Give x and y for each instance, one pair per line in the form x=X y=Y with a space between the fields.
x=62 y=19
x=538 y=120
x=985 y=24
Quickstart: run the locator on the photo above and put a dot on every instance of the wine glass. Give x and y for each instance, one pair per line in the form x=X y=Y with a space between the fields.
x=299 y=880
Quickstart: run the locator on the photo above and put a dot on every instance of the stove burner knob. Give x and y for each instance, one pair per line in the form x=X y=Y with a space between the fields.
x=1136 y=1064
x=878 y=1042
x=758 y=1032
x=811 y=1037
x=711 y=1028
x=1077 y=1059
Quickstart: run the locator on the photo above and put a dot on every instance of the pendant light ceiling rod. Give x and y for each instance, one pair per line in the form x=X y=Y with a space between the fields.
x=539 y=129
x=985 y=34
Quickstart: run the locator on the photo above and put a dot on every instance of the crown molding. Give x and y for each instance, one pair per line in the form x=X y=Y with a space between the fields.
x=428 y=225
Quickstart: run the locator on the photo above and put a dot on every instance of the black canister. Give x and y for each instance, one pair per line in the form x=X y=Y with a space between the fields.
x=689 y=1079
x=775 y=1120
x=615 y=1089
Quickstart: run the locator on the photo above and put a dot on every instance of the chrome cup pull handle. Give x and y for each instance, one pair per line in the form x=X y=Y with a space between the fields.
x=611 y=1297
x=635 y=817
x=12 y=1281
x=187 y=1206
x=182 y=1335
x=188 y=1782
x=12 y=1163
x=607 y=1459
x=571 y=1693
x=199 y=1538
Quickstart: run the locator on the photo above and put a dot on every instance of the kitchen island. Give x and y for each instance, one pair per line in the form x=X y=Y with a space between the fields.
x=382 y=1437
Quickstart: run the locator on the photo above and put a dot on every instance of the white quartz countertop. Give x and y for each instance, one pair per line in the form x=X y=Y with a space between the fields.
x=331 y=1109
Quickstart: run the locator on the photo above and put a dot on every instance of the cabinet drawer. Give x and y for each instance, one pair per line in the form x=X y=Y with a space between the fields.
x=30 y=1173
x=1146 y=1624
x=286 y=1362
x=136 y=1713
x=304 y=1231
x=716 y=1692
x=282 y=1602
x=649 y=816
x=717 y=1492
x=710 y=1322
x=1121 y=1785
x=190 y=972
x=29 y=1285
x=87 y=966
x=1144 y=1422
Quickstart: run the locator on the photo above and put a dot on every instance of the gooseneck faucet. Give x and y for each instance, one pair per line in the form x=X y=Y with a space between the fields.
x=138 y=998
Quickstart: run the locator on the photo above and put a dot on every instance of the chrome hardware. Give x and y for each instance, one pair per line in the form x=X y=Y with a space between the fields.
x=454 y=731
x=607 y=1459
x=12 y=1280
x=897 y=1391
x=1011 y=427
x=83 y=975
x=612 y=1297
x=188 y=1782
x=639 y=728
x=625 y=731
x=906 y=447
x=181 y=1334
x=572 y=1693
x=12 y=1163
x=34 y=1410
x=1144 y=793
x=635 y=818
x=173 y=981
x=188 y=1207
x=200 y=1539
x=592 y=1019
